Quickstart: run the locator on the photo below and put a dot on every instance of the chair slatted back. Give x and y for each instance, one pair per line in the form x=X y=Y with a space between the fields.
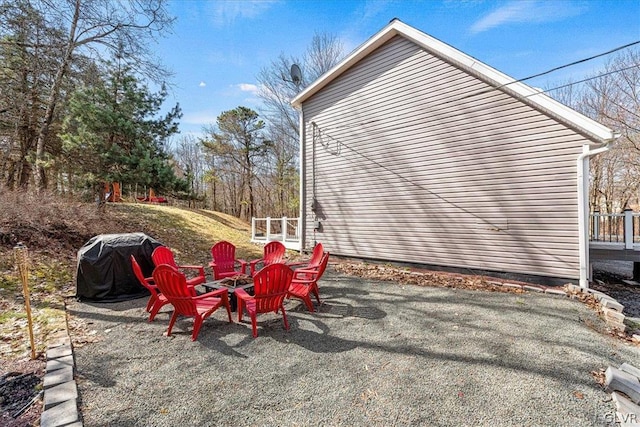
x=140 y=276
x=316 y=256
x=224 y=255
x=270 y=287
x=173 y=285
x=163 y=255
x=274 y=253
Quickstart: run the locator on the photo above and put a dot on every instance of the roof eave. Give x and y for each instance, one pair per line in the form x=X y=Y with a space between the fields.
x=526 y=93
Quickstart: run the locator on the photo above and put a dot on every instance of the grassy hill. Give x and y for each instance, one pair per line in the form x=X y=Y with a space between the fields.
x=54 y=230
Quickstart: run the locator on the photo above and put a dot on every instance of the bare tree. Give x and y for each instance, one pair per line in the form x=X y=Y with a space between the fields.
x=189 y=156
x=276 y=91
x=28 y=60
x=612 y=97
x=96 y=27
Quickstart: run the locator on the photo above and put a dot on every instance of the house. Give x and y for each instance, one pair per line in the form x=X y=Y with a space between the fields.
x=414 y=152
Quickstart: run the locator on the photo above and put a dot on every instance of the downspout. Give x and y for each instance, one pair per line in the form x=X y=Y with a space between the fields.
x=303 y=211
x=583 y=207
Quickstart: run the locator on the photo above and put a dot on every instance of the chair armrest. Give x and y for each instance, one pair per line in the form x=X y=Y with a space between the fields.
x=252 y=265
x=295 y=264
x=215 y=293
x=243 y=265
x=255 y=261
x=194 y=267
x=302 y=274
x=243 y=295
x=218 y=293
x=305 y=281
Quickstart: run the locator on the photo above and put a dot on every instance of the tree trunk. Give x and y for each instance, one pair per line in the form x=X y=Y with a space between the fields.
x=52 y=100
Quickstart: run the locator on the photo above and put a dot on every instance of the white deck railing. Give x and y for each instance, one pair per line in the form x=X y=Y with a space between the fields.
x=620 y=229
x=285 y=230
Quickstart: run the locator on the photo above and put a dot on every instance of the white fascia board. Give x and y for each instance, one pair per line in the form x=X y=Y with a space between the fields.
x=519 y=90
x=363 y=50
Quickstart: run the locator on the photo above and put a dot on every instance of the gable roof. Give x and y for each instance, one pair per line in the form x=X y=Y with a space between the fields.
x=501 y=81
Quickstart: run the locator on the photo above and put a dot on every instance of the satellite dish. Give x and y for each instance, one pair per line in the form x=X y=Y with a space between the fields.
x=296 y=74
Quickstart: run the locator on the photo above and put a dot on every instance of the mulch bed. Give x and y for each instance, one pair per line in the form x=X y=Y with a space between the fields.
x=20 y=397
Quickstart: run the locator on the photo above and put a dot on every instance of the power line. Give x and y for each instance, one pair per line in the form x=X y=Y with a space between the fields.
x=577 y=62
x=554 y=69
x=587 y=79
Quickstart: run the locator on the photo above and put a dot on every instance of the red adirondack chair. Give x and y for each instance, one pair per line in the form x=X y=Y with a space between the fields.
x=224 y=261
x=163 y=255
x=270 y=287
x=157 y=300
x=273 y=254
x=173 y=285
x=314 y=261
x=305 y=282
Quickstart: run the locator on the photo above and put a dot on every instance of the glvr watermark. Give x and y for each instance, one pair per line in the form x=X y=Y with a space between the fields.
x=610 y=419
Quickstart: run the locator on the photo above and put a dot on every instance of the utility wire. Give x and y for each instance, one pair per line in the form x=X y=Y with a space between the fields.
x=576 y=62
x=554 y=69
x=588 y=78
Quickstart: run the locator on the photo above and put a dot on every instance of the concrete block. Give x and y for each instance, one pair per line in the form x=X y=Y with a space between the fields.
x=59 y=363
x=627 y=412
x=617 y=380
x=56 y=352
x=574 y=288
x=60 y=393
x=532 y=288
x=512 y=285
x=612 y=304
x=612 y=324
x=597 y=294
x=58 y=376
x=630 y=369
x=60 y=415
x=555 y=291
x=614 y=315
x=58 y=342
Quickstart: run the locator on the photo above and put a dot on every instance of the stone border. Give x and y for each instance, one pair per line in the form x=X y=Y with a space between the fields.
x=60 y=389
x=611 y=309
x=624 y=385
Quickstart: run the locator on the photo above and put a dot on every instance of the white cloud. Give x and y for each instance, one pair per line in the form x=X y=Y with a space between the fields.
x=202 y=84
x=526 y=11
x=227 y=12
x=248 y=87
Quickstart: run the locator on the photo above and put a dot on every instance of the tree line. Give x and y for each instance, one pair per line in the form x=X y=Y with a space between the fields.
x=81 y=96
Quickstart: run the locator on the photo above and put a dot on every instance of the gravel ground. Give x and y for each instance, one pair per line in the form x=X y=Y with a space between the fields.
x=621 y=268
x=376 y=353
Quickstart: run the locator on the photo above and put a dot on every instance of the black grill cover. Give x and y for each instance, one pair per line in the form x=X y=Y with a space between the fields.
x=104 y=267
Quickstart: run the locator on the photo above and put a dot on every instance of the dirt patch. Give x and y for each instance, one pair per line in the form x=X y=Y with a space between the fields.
x=20 y=392
x=613 y=285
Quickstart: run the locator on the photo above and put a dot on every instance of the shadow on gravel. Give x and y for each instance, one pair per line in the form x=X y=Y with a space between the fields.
x=371 y=352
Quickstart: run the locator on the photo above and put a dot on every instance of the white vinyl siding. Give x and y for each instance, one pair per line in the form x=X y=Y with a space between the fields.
x=418 y=161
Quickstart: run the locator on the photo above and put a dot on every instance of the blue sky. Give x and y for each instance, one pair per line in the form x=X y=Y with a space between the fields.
x=218 y=47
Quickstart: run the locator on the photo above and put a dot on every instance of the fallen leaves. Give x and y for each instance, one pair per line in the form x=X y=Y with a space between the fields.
x=421 y=278
x=599 y=376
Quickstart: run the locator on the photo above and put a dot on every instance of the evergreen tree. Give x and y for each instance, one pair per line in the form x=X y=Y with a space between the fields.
x=113 y=133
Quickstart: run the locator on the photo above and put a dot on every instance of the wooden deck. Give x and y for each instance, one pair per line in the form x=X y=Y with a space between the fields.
x=285 y=230
x=615 y=236
x=613 y=251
